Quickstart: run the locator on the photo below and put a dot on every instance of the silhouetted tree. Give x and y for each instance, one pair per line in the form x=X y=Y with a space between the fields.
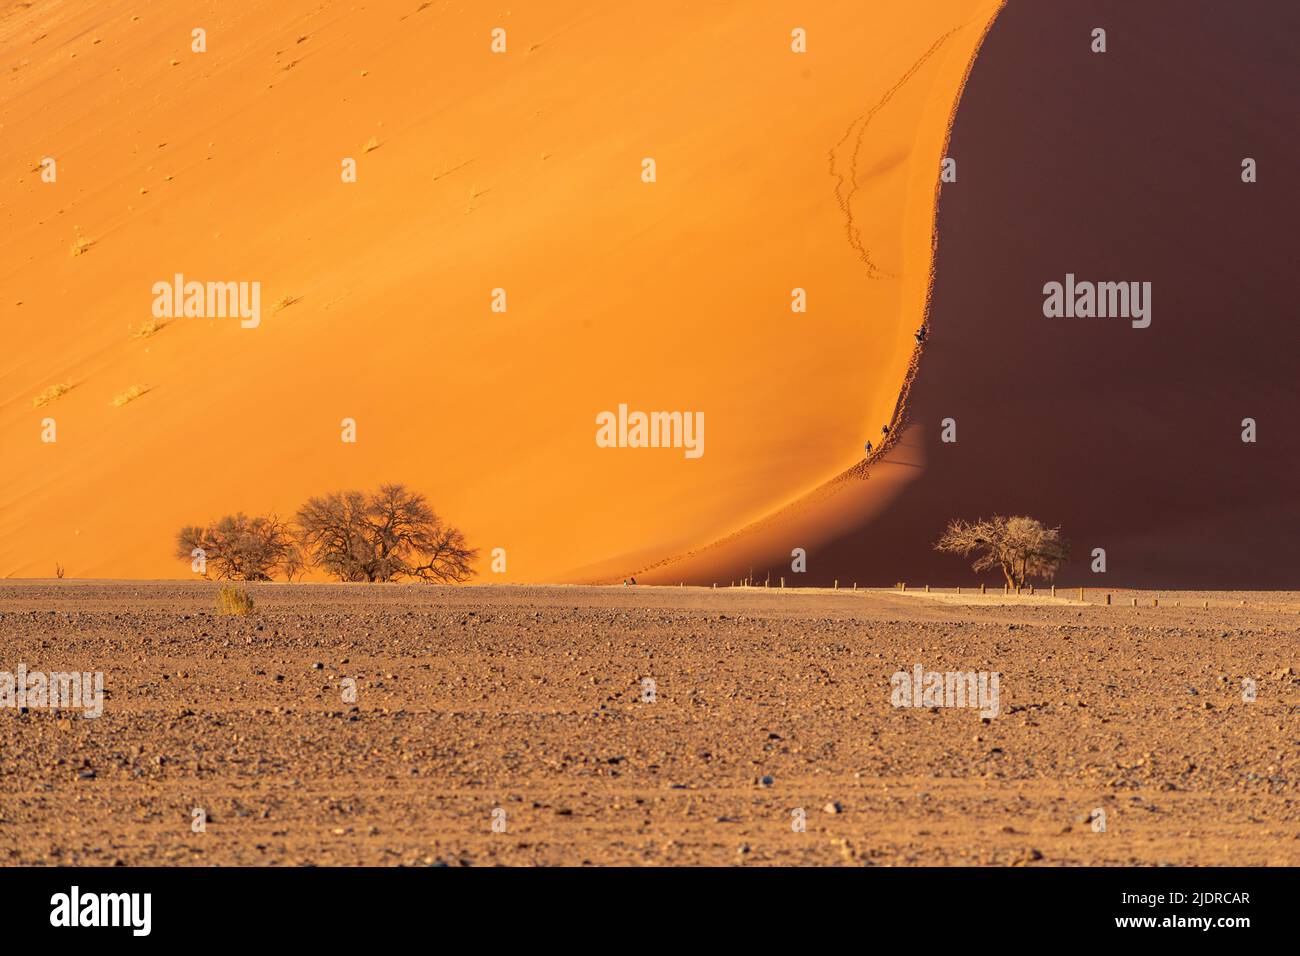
x=384 y=536
x=241 y=548
x=1021 y=547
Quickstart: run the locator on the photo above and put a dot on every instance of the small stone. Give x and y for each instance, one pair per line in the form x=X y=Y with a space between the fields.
x=832 y=807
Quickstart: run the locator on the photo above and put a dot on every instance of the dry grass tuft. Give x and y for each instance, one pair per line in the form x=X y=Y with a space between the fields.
x=130 y=395
x=50 y=394
x=284 y=303
x=81 y=245
x=372 y=144
x=233 y=600
x=150 y=327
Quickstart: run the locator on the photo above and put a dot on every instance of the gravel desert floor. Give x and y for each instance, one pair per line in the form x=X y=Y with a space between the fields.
x=342 y=724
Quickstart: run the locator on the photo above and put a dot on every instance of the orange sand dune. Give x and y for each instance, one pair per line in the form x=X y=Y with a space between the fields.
x=476 y=171
x=1123 y=166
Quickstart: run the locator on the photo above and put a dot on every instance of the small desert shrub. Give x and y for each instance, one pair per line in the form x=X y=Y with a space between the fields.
x=233 y=600
x=130 y=395
x=149 y=327
x=80 y=245
x=51 y=393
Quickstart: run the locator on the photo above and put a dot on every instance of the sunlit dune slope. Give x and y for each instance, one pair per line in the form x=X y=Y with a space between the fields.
x=476 y=171
x=1122 y=166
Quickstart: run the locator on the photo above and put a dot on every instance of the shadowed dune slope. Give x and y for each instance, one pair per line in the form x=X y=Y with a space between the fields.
x=476 y=171
x=1122 y=166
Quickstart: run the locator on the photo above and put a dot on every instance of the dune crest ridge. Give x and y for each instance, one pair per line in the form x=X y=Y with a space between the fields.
x=1132 y=419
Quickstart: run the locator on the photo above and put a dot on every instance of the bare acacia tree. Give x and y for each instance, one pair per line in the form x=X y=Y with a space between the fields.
x=294 y=564
x=1021 y=547
x=240 y=548
x=384 y=536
